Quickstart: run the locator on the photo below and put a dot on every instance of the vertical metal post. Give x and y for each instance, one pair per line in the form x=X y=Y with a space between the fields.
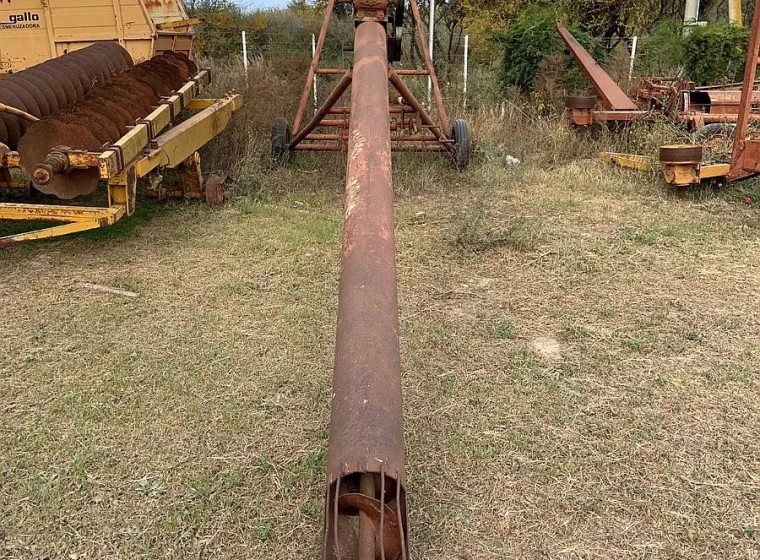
x=245 y=56
x=466 y=53
x=313 y=54
x=690 y=14
x=431 y=33
x=634 y=44
x=313 y=68
x=366 y=441
x=745 y=104
x=735 y=12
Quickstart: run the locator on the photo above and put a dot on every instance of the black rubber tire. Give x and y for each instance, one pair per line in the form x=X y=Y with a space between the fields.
x=460 y=134
x=280 y=141
x=712 y=130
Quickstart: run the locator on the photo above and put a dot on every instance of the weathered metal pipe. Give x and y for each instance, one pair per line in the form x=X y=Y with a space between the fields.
x=365 y=511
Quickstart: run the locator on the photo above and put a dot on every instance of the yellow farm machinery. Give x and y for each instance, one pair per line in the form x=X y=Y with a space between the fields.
x=92 y=117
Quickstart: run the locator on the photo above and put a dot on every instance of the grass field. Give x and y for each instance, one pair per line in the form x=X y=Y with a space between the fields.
x=580 y=351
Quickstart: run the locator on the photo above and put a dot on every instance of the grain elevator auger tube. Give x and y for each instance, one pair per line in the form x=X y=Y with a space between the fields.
x=365 y=506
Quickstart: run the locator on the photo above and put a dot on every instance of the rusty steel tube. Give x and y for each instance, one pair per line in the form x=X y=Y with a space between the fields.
x=365 y=512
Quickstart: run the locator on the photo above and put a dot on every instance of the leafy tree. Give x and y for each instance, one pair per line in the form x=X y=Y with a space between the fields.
x=715 y=53
x=710 y=54
x=530 y=40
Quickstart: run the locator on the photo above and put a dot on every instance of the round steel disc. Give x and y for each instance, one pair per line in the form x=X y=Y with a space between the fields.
x=34 y=91
x=117 y=52
x=95 y=69
x=29 y=103
x=13 y=124
x=46 y=135
x=50 y=96
x=56 y=82
x=4 y=134
x=99 y=121
x=76 y=75
x=681 y=153
x=192 y=67
x=150 y=79
x=580 y=101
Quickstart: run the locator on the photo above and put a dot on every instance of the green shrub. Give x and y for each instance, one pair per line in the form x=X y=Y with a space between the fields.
x=662 y=52
x=716 y=53
x=709 y=54
x=530 y=40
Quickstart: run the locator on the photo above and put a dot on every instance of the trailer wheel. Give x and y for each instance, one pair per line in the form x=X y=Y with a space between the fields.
x=717 y=139
x=460 y=133
x=713 y=130
x=280 y=141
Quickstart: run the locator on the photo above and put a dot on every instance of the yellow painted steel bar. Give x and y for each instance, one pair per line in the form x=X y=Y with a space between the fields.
x=181 y=141
x=47 y=233
x=630 y=161
x=59 y=213
x=77 y=218
x=125 y=150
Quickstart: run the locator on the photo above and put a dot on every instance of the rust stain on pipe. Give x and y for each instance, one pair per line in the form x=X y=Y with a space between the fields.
x=365 y=511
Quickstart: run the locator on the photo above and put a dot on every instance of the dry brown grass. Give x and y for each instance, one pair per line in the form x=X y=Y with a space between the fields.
x=580 y=359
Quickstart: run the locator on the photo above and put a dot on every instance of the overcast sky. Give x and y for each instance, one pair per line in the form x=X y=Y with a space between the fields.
x=260 y=4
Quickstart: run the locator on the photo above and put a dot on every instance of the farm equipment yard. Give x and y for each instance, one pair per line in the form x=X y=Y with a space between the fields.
x=579 y=341
x=580 y=352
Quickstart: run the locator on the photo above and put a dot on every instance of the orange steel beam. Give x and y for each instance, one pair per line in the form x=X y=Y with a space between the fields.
x=608 y=91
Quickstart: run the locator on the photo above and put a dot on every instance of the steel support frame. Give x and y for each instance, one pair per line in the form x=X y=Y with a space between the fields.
x=406 y=128
x=745 y=159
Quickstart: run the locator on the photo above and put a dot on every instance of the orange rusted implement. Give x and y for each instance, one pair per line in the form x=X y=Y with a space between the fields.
x=745 y=159
x=365 y=501
x=682 y=165
x=674 y=97
x=417 y=127
x=610 y=93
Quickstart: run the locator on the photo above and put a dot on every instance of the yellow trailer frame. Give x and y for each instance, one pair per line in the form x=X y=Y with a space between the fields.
x=149 y=145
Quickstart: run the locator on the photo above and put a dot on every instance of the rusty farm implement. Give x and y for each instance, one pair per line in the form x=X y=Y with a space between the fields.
x=365 y=502
x=93 y=117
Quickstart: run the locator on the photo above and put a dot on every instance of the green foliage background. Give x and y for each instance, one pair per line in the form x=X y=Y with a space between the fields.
x=530 y=40
x=710 y=54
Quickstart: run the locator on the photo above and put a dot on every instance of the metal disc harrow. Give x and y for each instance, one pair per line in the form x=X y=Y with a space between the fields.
x=92 y=117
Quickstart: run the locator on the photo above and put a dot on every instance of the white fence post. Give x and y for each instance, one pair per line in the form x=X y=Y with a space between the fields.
x=634 y=44
x=466 y=51
x=313 y=54
x=245 y=57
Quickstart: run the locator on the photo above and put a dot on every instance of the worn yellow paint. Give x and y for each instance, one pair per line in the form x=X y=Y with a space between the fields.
x=200 y=104
x=172 y=25
x=714 y=171
x=50 y=28
x=145 y=147
x=631 y=161
x=180 y=142
x=74 y=218
x=682 y=174
x=132 y=144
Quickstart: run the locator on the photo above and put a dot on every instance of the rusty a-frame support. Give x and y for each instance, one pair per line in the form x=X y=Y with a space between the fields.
x=413 y=126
